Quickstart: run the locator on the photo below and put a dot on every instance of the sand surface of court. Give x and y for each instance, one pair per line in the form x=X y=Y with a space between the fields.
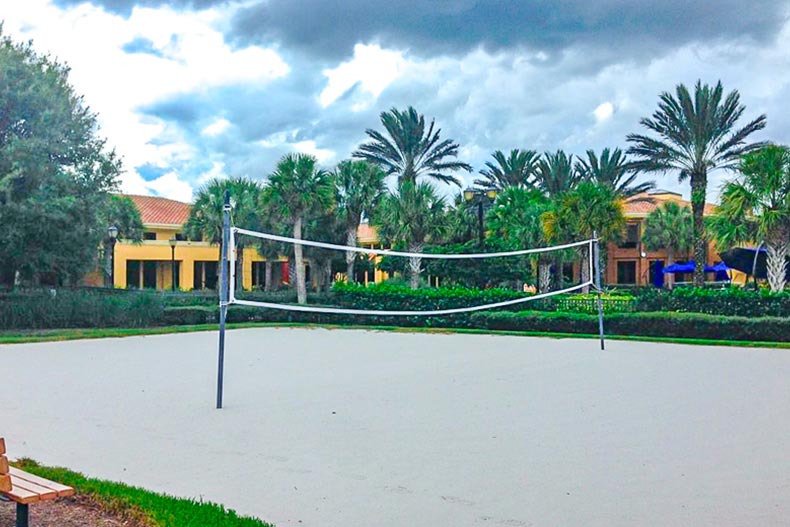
x=366 y=429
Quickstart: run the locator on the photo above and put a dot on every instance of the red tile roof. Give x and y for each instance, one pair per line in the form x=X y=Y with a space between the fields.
x=161 y=211
x=636 y=207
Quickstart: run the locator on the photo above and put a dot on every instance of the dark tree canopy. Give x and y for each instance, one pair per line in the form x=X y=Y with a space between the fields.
x=55 y=173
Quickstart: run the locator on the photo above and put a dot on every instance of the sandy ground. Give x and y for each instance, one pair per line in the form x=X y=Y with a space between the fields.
x=356 y=428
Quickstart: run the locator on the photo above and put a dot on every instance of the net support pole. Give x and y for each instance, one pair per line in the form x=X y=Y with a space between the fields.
x=596 y=257
x=223 y=294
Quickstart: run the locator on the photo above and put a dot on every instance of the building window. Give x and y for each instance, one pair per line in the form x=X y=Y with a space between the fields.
x=631 y=236
x=149 y=236
x=133 y=274
x=180 y=237
x=626 y=272
x=205 y=275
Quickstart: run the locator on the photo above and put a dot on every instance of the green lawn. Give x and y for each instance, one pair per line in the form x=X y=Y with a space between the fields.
x=50 y=335
x=154 y=509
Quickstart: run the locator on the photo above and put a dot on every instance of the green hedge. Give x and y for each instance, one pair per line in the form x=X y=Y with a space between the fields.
x=45 y=309
x=396 y=296
x=670 y=325
x=730 y=301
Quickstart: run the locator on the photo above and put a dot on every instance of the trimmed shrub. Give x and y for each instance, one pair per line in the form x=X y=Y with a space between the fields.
x=679 y=325
x=729 y=301
x=45 y=309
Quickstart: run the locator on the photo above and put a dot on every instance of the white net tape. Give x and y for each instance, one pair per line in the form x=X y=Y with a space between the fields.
x=385 y=252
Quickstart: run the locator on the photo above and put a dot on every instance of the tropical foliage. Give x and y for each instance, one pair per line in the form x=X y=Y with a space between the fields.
x=694 y=135
x=669 y=227
x=755 y=207
x=513 y=170
x=409 y=150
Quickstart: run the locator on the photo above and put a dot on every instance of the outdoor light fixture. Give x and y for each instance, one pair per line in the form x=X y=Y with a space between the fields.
x=112 y=232
x=173 y=242
x=481 y=198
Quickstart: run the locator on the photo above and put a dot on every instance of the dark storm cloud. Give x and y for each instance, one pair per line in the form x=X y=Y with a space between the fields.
x=455 y=26
x=430 y=27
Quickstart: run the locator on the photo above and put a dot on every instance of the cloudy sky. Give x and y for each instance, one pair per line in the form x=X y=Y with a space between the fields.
x=191 y=89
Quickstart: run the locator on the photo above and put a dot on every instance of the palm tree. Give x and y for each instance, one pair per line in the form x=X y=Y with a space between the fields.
x=360 y=187
x=409 y=151
x=589 y=208
x=756 y=207
x=670 y=227
x=555 y=176
x=411 y=217
x=613 y=168
x=695 y=136
x=205 y=218
x=514 y=170
x=299 y=190
x=516 y=218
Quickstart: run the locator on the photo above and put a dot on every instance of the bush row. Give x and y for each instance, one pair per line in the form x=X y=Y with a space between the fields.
x=44 y=309
x=672 y=325
x=731 y=301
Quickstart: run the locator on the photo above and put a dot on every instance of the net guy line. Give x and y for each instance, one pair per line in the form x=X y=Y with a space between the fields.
x=227 y=292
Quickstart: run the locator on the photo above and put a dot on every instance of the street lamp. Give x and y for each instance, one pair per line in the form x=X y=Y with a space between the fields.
x=112 y=232
x=481 y=198
x=173 y=242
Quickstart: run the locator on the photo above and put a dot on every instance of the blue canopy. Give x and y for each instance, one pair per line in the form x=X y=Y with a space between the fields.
x=688 y=267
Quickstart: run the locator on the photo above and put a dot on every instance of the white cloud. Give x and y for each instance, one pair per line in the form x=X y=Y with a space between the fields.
x=190 y=55
x=216 y=128
x=217 y=171
x=310 y=147
x=372 y=69
x=171 y=186
x=603 y=112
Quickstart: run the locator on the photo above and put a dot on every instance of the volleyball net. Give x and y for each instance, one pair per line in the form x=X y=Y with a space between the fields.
x=590 y=278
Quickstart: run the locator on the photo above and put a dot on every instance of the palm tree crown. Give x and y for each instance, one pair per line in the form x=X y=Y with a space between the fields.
x=695 y=135
x=514 y=170
x=409 y=150
x=555 y=173
x=612 y=168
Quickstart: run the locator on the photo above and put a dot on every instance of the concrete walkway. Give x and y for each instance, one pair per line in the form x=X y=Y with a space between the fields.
x=370 y=429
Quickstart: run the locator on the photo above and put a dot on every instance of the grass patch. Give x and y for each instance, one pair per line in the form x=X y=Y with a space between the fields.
x=150 y=507
x=76 y=334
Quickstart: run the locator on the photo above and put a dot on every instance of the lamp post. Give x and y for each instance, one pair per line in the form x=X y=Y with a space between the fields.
x=480 y=198
x=173 y=242
x=112 y=232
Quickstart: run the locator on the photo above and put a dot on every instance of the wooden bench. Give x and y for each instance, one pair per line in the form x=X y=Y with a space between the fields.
x=23 y=488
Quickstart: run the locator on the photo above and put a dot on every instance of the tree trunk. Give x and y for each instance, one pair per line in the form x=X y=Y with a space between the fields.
x=351 y=256
x=415 y=266
x=544 y=276
x=328 y=274
x=699 y=185
x=776 y=265
x=670 y=260
x=585 y=269
x=301 y=286
x=754 y=265
x=559 y=277
x=267 y=278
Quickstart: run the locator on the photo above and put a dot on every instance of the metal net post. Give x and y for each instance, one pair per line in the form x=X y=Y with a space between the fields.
x=597 y=257
x=223 y=294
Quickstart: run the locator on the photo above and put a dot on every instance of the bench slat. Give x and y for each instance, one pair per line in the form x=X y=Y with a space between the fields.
x=20 y=476
x=5 y=483
x=22 y=495
x=3 y=465
x=43 y=492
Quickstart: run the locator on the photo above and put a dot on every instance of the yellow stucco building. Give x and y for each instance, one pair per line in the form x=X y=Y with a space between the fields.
x=165 y=254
